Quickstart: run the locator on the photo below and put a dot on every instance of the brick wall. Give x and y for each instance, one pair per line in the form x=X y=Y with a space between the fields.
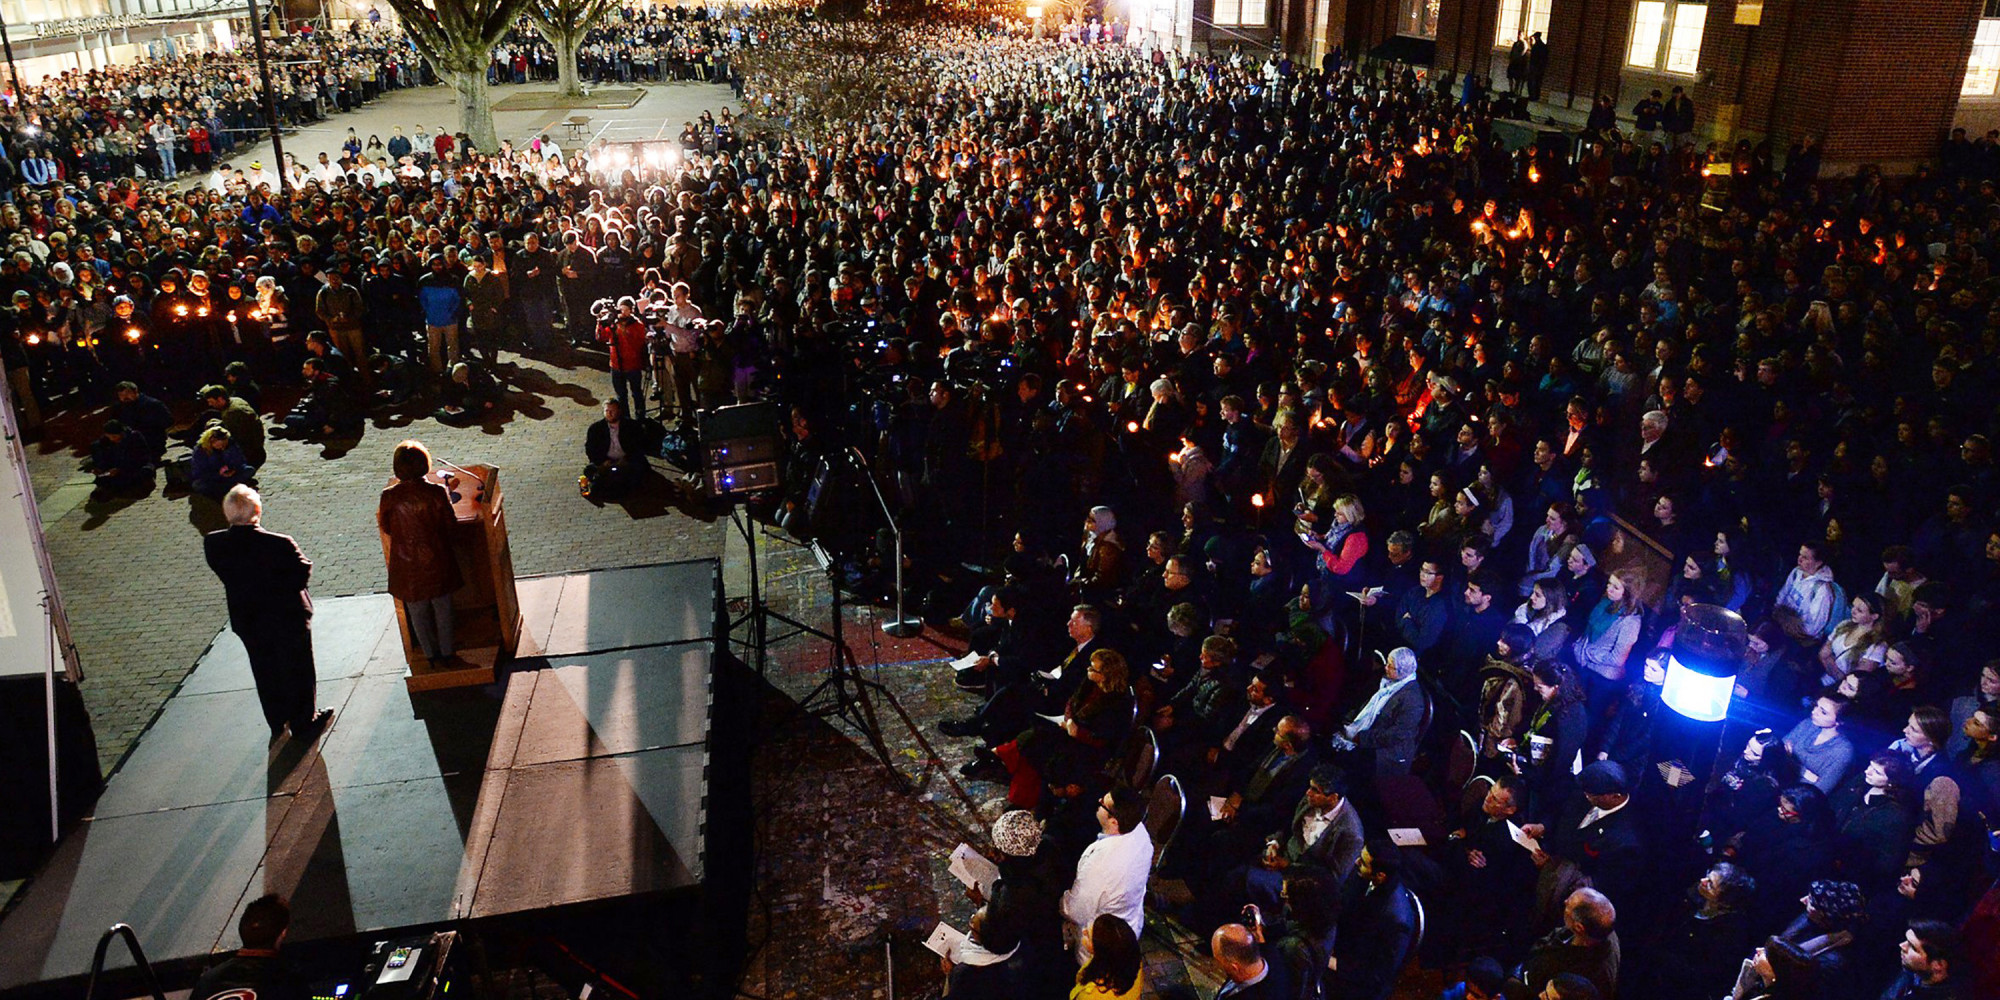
x=1877 y=79
x=1898 y=79
x=1465 y=35
x=1586 y=49
x=1368 y=23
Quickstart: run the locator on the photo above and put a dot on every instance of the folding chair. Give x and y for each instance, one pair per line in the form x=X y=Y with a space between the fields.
x=1141 y=756
x=1164 y=809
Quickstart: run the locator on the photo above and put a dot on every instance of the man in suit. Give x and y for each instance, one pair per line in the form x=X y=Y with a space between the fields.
x=1384 y=733
x=615 y=448
x=1012 y=708
x=1324 y=835
x=1489 y=873
x=1599 y=834
x=1254 y=806
x=1282 y=465
x=1378 y=925
x=264 y=576
x=1238 y=739
x=1002 y=644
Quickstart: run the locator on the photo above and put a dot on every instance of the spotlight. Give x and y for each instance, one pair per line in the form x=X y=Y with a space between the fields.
x=1701 y=668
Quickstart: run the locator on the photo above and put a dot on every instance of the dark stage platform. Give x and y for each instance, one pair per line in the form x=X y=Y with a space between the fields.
x=583 y=777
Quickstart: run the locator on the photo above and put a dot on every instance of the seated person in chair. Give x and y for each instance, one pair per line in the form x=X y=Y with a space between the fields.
x=1378 y=925
x=1256 y=804
x=1384 y=733
x=1324 y=838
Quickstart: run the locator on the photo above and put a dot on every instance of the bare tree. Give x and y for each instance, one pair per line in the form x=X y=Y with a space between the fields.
x=564 y=23
x=458 y=37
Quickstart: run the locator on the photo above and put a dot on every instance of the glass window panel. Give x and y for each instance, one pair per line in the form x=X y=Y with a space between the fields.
x=1684 y=50
x=1649 y=22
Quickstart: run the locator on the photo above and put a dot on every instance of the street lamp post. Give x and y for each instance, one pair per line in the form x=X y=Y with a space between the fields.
x=270 y=103
x=13 y=71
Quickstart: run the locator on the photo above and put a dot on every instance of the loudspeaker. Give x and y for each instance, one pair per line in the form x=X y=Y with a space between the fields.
x=739 y=448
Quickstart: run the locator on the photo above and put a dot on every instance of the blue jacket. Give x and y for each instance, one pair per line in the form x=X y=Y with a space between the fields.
x=205 y=471
x=440 y=298
x=254 y=216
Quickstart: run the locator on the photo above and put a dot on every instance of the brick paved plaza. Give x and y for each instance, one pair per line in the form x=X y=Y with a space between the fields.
x=141 y=602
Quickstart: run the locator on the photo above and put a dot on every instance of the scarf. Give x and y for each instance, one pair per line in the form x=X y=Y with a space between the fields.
x=1601 y=619
x=1366 y=717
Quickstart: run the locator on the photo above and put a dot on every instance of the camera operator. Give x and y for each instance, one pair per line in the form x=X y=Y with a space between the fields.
x=683 y=323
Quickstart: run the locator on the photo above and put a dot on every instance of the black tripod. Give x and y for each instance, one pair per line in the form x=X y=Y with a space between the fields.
x=845 y=693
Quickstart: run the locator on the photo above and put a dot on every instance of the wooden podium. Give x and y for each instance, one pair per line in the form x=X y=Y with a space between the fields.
x=486 y=611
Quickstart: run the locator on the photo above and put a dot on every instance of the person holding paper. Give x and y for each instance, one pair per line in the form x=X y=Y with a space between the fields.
x=998 y=648
x=1324 y=836
x=1025 y=895
x=1255 y=805
x=1091 y=727
x=1597 y=832
x=1423 y=611
x=1013 y=707
x=976 y=965
x=1489 y=871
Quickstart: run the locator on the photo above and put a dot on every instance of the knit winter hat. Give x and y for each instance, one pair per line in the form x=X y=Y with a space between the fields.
x=1017 y=834
x=1839 y=902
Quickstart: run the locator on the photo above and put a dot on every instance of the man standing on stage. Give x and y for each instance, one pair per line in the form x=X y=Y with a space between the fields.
x=264 y=575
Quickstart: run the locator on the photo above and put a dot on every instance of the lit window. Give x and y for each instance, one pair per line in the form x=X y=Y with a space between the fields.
x=1666 y=35
x=1519 y=19
x=1982 y=74
x=1240 y=13
x=1684 y=45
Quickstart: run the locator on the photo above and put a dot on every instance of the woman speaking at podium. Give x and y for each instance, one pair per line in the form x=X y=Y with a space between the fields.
x=416 y=517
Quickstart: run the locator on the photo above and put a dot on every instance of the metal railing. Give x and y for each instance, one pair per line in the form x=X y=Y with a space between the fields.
x=138 y=957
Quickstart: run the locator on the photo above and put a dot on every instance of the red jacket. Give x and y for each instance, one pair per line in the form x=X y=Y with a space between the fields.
x=627 y=338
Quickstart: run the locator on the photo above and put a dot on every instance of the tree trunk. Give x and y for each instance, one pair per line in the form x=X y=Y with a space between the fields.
x=475 y=108
x=568 y=84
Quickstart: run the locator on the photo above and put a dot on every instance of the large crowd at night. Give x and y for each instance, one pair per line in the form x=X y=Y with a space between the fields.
x=1366 y=460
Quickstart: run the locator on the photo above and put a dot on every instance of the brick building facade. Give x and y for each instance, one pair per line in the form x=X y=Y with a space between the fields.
x=1878 y=80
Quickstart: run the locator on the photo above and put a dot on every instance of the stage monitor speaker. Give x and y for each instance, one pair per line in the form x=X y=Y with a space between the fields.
x=739 y=448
